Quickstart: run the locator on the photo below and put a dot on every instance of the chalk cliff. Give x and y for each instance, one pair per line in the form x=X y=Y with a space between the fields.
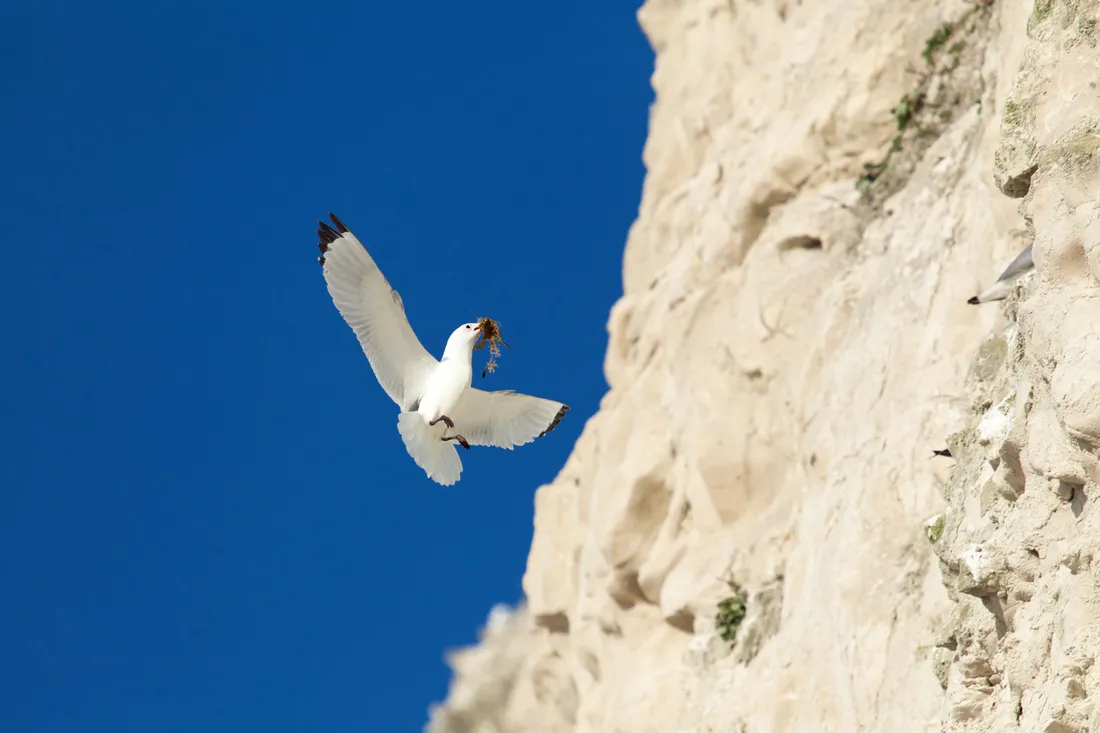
x=828 y=182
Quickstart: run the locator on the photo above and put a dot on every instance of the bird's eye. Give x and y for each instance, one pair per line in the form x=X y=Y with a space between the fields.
x=467 y=326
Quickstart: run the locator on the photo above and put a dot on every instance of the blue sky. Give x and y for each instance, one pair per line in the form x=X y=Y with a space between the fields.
x=208 y=520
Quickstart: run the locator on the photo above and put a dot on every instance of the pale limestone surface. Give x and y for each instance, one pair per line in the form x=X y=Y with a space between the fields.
x=783 y=361
x=1019 y=650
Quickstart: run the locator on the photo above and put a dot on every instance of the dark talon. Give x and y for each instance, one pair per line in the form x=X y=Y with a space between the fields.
x=446 y=420
x=459 y=438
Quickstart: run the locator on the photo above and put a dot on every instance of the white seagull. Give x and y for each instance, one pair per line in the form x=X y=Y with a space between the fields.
x=1001 y=289
x=434 y=396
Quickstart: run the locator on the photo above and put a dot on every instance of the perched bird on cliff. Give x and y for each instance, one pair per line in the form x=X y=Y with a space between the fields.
x=435 y=397
x=1001 y=289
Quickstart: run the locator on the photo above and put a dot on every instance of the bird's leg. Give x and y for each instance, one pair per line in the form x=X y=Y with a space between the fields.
x=448 y=421
x=459 y=438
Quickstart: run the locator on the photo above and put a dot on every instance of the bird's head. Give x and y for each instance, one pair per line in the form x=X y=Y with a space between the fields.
x=464 y=336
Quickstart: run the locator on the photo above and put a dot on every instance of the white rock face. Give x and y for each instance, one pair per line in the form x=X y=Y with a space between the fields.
x=787 y=354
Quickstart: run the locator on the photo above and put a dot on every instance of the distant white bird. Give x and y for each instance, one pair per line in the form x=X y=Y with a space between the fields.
x=1001 y=289
x=434 y=396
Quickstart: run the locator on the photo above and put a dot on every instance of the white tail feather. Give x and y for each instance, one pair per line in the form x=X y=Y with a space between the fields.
x=997 y=291
x=439 y=459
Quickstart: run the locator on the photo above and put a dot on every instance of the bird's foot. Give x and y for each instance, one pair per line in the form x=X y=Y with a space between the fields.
x=446 y=421
x=459 y=438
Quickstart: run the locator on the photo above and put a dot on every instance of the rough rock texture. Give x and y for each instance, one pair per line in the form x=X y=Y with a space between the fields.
x=1019 y=651
x=792 y=344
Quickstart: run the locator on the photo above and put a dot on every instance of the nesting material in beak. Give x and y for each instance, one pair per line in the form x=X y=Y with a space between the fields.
x=490 y=334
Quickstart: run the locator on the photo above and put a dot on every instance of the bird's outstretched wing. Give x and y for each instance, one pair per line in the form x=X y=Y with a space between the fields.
x=375 y=312
x=1003 y=287
x=1018 y=266
x=504 y=419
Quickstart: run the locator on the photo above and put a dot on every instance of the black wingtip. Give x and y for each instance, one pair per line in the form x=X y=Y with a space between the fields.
x=326 y=236
x=974 y=300
x=327 y=233
x=945 y=453
x=340 y=226
x=557 y=419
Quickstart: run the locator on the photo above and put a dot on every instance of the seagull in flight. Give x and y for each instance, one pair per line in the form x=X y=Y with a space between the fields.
x=438 y=407
x=1001 y=289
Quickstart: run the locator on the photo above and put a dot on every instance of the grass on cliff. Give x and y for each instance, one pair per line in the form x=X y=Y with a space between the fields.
x=731 y=612
x=920 y=122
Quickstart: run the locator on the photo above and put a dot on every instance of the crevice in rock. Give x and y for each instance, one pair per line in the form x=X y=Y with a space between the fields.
x=994 y=605
x=682 y=620
x=625 y=589
x=1017 y=186
x=1077 y=501
x=803 y=241
x=555 y=623
x=1011 y=469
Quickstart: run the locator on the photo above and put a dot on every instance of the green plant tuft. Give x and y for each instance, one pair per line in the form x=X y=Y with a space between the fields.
x=936 y=40
x=1039 y=12
x=731 y=612
x=1014 y=113
x=933 y=528
x=909 y=105
x=913 y=115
